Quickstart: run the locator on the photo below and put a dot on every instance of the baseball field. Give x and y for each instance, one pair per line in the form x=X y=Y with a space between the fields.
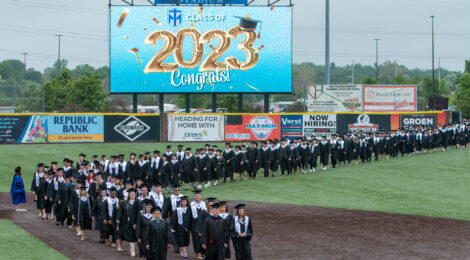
x=406 y=207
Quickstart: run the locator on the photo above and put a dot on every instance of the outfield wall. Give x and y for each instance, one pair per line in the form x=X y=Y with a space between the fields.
x=94 y=127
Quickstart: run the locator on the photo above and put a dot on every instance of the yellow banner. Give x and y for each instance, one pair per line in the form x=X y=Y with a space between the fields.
x=76 y=138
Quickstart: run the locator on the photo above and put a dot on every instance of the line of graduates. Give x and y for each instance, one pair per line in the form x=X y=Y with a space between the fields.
x=140 y=214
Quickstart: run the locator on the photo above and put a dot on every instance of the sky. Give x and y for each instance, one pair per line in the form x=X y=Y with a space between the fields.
x=404 y=27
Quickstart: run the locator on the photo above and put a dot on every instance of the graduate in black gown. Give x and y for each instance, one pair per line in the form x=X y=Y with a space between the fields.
x=180 y=222
x=266 y=157
x=109 y=211
x=241 y=233
x=229 y=158
x=127 y=220
x=158 y=236
x=167 y=171
x=252 y=160
x=324 y=149
x=143 y=222
x=175 y=178
x=96 y=212
x=38 y=180
x=50 y=192
x=285 y=156
x=228 y=219
x=84 y=216
x=214 y=235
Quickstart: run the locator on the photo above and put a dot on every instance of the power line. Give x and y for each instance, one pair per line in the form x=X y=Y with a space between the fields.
x=55 y=7
x=52 y=31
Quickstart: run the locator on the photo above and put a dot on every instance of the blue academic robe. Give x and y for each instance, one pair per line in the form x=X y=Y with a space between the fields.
x=17 y=190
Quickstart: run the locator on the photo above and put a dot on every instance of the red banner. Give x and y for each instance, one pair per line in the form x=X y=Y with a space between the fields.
x=252 y=127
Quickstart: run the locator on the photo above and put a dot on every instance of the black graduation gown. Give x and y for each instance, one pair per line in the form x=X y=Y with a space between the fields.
x=84 y=213
x=214 y=235
x=96 y=212
x=143 y=171
x=143 y=222
x=155 y=171
x=50 y=192
x=252 y=158
x=175 y=177
x=166 y=174
x=228 y=223
x=229 y=157
x=127 y=216
x=132 y=172
x=242 y=245
x=239 y=161
x=158 y=235
x=188 y=164
x=40 y=190
x=110 y=220
x=324 y=149
x=202 y=163
x=196 y=226
x=60 y=196
x=182 y=231
x=275 y=153
x=212 y=167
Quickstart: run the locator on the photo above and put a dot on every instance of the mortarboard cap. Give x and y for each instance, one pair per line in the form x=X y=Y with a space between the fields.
x=180 y=145
x=103 y=156
x=83 y=155
x=40 y=165
x=131 y=189
x=53 y=163
x=211 y=199
x=168 y=147
x=197 y=191
x=247 y=24
x=216 y=206
x=188 y=149
x=156 y=209
x=83 y=187
x=223 y=203
x=240 y=206
x=156 y=152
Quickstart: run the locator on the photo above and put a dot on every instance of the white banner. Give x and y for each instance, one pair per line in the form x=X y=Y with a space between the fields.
x=389 y=98
x=195 y=127
x=334 y=98
x=319 y=125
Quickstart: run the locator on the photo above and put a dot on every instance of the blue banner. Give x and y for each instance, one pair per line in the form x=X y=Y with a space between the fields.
x=75 y=128
x=291 y=126
x=201 y=49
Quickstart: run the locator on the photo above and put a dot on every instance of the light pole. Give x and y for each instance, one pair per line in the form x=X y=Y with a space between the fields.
x=58 y=57
x=432 y=24
x=24 y=53
x=327 y=42
x=377 y=59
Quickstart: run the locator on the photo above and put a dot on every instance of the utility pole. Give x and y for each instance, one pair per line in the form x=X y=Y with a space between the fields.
x=24 y=53
x=327 y=42
x=352 y=73
x=396 y=72
x=58 y=57
x=377 y=59
x=432 y=24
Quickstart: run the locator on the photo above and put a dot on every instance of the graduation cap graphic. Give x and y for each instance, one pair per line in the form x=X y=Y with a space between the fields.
x=248 y=24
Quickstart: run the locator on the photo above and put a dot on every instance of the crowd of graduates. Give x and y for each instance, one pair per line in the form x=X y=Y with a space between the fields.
x=125 y=199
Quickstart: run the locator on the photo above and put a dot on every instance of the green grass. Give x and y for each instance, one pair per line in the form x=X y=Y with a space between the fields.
x=17 y=243
x=431 y=185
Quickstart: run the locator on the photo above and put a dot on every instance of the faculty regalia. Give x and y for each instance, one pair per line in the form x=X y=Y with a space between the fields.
x=17 y=190
x=158 y=235
x=214 y=235
x=242 y=244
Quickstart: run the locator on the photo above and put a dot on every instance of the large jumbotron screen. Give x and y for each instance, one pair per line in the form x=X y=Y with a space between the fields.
x=195 y=49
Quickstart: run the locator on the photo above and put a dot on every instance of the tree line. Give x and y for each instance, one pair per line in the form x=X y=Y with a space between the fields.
x=86 y=88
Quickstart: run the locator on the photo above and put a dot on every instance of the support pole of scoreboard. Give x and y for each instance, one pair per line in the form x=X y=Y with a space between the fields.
x=161 y=103
x=240 y=102
x=188 y=103
x=134 y=103
x=266 y=103
x=214 y=103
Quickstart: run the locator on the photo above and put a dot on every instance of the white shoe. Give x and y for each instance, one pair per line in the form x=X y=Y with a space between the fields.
x=200 y=186
x=208 y=184
x=79 y=234
x=314 y=169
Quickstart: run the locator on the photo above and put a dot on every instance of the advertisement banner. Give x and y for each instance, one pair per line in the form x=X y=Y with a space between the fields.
x=123 y=128
x=200 y=49
x=409 y=121
x=334 y=98
x=35 y=131
x=291 y=126
x=319 y=125
x=12 y=128
x=75 y=128
x=362 y=122
x=252 y=127
x=200 y=2
x=195 y=127
x=389 y=98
